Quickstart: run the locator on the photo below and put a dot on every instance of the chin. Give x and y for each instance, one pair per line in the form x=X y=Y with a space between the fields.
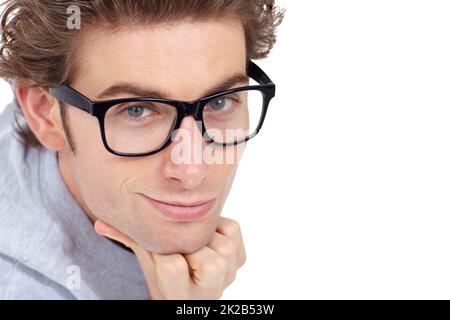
x=185 y=248
x=178 y=239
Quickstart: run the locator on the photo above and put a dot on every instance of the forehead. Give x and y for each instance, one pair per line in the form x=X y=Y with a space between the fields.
x=179 y=58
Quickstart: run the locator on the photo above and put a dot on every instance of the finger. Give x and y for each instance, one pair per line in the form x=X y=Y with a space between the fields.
x=173 y=276
x=231 y=229
x=227 y=249
x=210 y=270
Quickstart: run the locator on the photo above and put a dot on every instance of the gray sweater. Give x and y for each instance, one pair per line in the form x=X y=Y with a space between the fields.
x=48 y=246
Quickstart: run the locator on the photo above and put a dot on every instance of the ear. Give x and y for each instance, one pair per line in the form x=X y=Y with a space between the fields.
x=42 y=113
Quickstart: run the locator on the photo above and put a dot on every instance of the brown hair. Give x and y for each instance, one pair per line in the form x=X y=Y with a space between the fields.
x=35 y=33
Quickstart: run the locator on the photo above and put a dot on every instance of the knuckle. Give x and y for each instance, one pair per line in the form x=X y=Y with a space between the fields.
x=232 y=227
x=230 y=279
x=243 y=259
x=221 y=264
x=228 y=248
x=216 y=266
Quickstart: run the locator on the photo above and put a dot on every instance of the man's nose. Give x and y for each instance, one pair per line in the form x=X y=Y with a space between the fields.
x=186 y=164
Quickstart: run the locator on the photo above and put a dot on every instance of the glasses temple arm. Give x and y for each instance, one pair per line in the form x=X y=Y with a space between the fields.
x=257 y=73
x=66 y=94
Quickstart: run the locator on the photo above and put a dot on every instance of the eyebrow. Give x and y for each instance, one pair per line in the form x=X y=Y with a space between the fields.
x=137 y=91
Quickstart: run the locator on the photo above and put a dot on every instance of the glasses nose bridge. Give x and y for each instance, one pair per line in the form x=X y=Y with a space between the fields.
x=191 y=108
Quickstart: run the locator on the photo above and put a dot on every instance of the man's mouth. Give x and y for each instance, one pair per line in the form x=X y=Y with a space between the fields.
x=182 y=211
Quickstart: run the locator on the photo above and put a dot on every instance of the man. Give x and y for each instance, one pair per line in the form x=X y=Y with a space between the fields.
x=129 y=110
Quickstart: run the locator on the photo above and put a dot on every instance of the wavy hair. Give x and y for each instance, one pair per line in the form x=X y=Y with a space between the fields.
x=37 y=45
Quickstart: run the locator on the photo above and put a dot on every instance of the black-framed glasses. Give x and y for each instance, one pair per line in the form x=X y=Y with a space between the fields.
x=136 y=127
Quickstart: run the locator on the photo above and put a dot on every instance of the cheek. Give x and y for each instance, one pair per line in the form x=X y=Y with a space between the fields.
x=224 y=171
x=222 y=177
x=99 y=189
x=97 y=171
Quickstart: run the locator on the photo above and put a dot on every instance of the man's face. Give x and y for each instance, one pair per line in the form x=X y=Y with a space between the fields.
x=183 y=61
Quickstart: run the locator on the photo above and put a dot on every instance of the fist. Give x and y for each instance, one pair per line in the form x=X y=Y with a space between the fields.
x=201 y=275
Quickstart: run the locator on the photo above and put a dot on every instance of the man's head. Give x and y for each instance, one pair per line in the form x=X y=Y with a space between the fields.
x=180 y=49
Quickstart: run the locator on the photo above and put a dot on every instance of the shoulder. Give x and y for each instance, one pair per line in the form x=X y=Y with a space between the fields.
x=25 y=223
x=17 y=281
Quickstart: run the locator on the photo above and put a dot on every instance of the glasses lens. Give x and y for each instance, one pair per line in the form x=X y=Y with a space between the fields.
x=233 y=117
x=139 y=127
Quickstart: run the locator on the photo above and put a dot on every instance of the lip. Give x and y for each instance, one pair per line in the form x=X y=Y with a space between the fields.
x=182 y=211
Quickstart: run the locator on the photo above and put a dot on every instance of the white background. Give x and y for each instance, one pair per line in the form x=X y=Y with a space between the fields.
x=345 y=193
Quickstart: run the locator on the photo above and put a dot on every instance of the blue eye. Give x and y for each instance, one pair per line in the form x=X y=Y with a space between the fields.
x=220 y=104
x=136 y=111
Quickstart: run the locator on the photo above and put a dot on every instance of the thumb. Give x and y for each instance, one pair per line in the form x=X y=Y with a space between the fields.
x=144 y=257
x=104 y=229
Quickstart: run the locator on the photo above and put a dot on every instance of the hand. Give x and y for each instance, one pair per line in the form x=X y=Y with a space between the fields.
x=201 y=275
